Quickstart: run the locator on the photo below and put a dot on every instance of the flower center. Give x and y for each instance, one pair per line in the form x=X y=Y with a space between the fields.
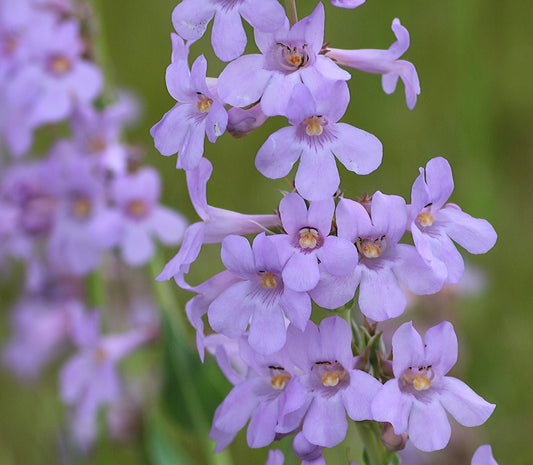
x=331 y=373
x=97 y=144
x=82 y=208
x=293 y=58
x=10 y=45
x=100 y=355
x=280 y=378
x=309 y=238
x=137 y=208
x=60 y=65
x=204 y=105
x=425 y=219
x=370 y=248
x=268 y=279
x=313 y=126
x=418 y=377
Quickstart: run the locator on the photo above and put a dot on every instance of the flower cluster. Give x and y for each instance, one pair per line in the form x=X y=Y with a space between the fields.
x=291 y=376
x=84 y=201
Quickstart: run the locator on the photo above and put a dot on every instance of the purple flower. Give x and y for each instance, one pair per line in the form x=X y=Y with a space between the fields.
x=383 y=263
x=289 y=56
x=334 y=385
x=386 y=63
x=315 y=135
x=261 y=299
x=198 y=112
x=434 y=224
x=89 y=379
x=216 y=224
x=262 y=395
x=84 y=226
x=191 y=17
x=308 y=240
x=275 y=457
x=243 y=121
x=137 y=197
x=347 y=3
x=309 y=453
x=417 y=398
x=483 y=456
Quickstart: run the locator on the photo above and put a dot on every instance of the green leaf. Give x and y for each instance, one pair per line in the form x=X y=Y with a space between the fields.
x=160 y=448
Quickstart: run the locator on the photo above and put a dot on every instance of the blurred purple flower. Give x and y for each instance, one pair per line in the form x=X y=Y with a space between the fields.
x=483 y=456
x=417 y=399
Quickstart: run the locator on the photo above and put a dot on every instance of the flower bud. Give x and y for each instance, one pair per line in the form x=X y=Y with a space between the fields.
x=392 y=441
x=241 y=122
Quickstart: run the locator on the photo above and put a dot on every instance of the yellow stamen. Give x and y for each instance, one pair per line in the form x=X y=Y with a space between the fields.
x=370 y=250
x=309 y=238
x=295 y=58
x=332 y=378
x=100 y=355
x=60 y=65
x=313 y=128
x=97 y=144
x=268 y=281
x=82 y=208
x=280 y=381
x=204 y=105
x=421 y=383
x=137 y=208
x=425 y=219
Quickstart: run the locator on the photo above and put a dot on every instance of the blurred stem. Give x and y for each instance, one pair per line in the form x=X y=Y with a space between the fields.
x=96 y=289
x=164 y=292
x=370 y=433
x=292 y=14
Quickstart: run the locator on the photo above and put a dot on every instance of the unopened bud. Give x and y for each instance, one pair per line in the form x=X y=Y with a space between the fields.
x=392 y=441
x=241 y=122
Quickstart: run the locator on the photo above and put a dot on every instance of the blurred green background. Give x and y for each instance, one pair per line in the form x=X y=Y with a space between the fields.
x=476 y=109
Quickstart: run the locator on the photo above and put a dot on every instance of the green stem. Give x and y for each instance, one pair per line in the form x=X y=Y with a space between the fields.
x=370 y=433
x=292 y=14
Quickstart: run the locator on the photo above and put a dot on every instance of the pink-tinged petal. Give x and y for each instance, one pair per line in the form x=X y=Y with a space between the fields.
x=425 y=244
x=312 y=28
x=266 y=254
x=190 y=18
x=352 y=220
x=170 y=132
x=393 y=406
x=463 y=403
x=84 y=326
x=429 y=428
x=389 y=215
x=474 y=234
x=293 y=213
x=277 y=155
x=338 y=256
x=278 y=92
x=193 y=147
x=335 y=341
x=180 y=52
x=216 y=122
x=335 y=103
x=224 y=222
x=408 y=349
x=439 y=181
x=106 y=229
x=230 y=312
x=267 y=328
x=419 y=277
x=317 y=177
x=51 y=106
x=482 y=456
x=358 y=150
x=380 y=295
x=301 y=105
x=441 y=347
x=243 y=81
x=119 y=346
x=177 y=78
x=260 y=431
x=267 y=15
x=189 y=250
x=358 y=396
x=320 y=215
x=197 y=186
x=86 y=81
x=453 y=261
x=103 y=388
x=407 y=72
x=347 y=3
x=238 y=257
x=329 y=70
x=301 y=273
x=275 y=457
x=334 y=291
x=297 y=307
x=420 y=195
x=398 y=48
x=198 y=74
x=168 y=225
x=137 y=246
x=74 y=377
x=228 y=37
x=325 y=423
x=237 y=407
